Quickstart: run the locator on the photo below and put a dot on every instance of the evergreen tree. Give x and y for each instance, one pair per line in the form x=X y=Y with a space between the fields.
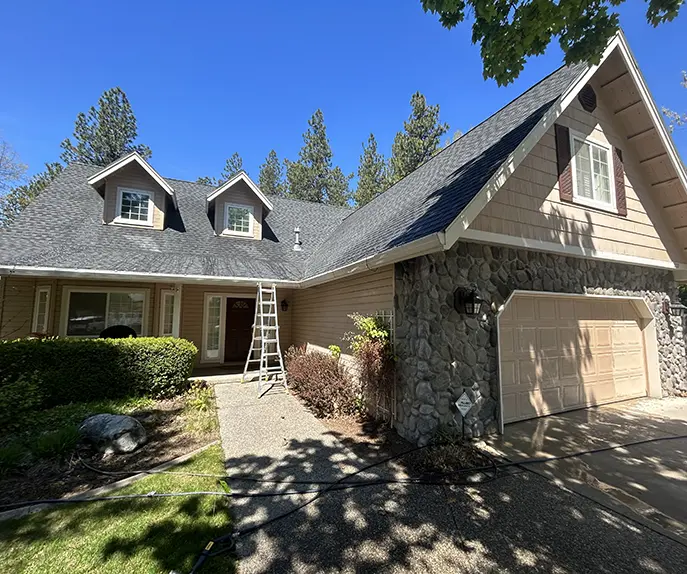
x=206 y=180
x=19 y=197
x=231 y=167
x=372 y=173
x=271 y=178
x=106 y=133
x=419 y=140
x=312 y=177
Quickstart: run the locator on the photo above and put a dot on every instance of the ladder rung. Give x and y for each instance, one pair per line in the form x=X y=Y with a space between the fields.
x=269 y=314
x=270 y=354
x=270 y=340
x=272 y=370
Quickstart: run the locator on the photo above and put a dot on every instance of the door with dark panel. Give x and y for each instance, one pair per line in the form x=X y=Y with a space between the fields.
x=239 y=333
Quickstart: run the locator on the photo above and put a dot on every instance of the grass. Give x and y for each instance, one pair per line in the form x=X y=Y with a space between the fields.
x=141 y=536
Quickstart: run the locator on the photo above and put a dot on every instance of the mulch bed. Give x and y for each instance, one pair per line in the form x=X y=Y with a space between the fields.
x=167 y=439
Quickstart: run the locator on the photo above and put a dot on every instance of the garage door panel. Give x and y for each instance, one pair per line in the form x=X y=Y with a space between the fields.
x=560 y=353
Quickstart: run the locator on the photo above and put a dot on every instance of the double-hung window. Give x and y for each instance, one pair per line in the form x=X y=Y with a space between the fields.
x=169 y=314
x=134 y=207
x=88 y=313
x=238 y=219
x=592 y=173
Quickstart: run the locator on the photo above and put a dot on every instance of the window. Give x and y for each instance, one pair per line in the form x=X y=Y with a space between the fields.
x=213 y=326
x=134 y=207
x=591 y=167
x=169 y=314
x=238 y=219
x=90 y=312
x=41 y=310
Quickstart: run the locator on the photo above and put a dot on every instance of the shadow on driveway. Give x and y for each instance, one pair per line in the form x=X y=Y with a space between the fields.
x=645 y=482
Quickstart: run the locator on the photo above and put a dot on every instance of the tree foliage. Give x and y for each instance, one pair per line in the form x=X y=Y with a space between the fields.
x=271 y=177
x=676 y=119
x=232 y=166
x=312 y=177
x=419 y=140
x=510 y=31
x=372 y=173
x=11 y=169
x=19 y=197
x=106 y=133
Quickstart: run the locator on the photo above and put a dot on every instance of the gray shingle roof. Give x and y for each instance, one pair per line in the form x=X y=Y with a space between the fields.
x=63 y=227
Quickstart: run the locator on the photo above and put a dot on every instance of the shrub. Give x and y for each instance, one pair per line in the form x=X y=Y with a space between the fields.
x=200 y=396
x=56 y=444
x=17 y=399
x=78 y=370
x=11 y=457
x=373 y=353
x=321 y=382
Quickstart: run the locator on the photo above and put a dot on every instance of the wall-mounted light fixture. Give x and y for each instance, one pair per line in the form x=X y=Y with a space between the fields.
x=466 y=300
x=284 y=305
x=678 y=310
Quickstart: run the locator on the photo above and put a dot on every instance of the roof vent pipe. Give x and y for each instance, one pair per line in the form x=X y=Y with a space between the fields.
x=297 y=243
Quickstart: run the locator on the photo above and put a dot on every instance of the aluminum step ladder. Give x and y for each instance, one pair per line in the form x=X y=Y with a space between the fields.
x=265 y=348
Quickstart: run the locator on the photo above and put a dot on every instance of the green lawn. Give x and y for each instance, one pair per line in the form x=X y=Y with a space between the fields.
x=139 y=536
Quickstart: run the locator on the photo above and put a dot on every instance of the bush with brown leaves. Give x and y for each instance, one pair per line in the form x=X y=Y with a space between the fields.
x=322 y=383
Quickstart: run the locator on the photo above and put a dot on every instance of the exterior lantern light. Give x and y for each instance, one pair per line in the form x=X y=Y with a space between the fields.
x=678 y=310
x=284 y=305
x=467 y=301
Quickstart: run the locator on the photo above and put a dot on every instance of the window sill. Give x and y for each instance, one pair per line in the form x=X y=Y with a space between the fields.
x=127 y=223
x=595 y=205
x=227 y=233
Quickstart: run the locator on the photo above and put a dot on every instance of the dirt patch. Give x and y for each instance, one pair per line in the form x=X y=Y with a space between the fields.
x=167 y=427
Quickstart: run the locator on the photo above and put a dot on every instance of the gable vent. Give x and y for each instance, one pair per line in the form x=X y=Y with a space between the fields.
x=297 y=242
x=587 y=97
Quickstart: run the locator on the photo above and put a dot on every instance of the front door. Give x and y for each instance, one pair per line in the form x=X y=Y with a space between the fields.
x=239 y=333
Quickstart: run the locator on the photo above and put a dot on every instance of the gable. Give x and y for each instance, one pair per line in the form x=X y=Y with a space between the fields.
x=528 y=209
x=239 y=194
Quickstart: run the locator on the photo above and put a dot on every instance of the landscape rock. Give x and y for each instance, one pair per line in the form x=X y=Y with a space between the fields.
x=113 y=434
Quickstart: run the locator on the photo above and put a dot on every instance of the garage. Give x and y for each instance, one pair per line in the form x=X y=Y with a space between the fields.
x=560 y=352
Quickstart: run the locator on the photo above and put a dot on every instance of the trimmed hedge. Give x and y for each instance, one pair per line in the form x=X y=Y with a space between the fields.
x=77 y=370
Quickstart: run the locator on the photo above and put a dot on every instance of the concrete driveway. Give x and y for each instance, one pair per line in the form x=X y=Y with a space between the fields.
x=646 y=483
x=521 y=522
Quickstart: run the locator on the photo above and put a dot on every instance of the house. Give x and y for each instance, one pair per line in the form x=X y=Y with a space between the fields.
x=532 y=266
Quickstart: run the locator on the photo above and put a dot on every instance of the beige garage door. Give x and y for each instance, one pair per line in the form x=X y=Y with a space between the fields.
x=562 y=353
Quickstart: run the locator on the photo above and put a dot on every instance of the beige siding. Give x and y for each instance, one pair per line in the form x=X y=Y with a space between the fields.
x=16 y=314
x=529 y=205
x=240 y=194
x=133 y=176
x=321 y=312
x=192 y=311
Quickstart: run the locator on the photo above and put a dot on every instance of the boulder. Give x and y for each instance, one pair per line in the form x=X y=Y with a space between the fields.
x=113 y=434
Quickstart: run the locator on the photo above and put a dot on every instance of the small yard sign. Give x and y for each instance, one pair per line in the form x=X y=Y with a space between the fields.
x=464 y=404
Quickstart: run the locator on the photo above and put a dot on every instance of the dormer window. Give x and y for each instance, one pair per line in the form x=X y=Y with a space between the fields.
x=238 y=219
x=134 y=207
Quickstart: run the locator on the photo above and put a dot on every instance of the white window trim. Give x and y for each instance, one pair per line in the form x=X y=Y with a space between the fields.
x=595 y=203
x=251 y=220
x=34 y=324
x=151 y=206
x=222 y=327
x=177 y=313
x=66 y=295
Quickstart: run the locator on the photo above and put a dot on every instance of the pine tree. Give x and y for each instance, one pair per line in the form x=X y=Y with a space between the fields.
x=207 y=180
x=419 y=140
x=312 y=177
x=106 y=133
x=19 y=197
x=372 y=173
x=231 y=167
x=271 y=178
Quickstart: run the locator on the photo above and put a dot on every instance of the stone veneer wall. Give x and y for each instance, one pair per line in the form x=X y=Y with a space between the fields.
x=443 y=353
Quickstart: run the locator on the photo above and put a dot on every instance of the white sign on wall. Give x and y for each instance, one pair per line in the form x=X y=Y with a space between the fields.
x=464 y=404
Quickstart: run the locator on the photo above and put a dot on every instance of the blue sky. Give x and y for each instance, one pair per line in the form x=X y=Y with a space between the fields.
x=207 y=79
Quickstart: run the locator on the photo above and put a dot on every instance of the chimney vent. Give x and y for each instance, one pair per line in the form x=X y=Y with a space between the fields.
x=297 y=243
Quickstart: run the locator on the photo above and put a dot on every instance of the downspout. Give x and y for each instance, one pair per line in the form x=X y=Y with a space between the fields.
x=3 y=279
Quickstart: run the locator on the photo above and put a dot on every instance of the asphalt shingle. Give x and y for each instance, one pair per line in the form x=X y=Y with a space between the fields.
x=63 y=227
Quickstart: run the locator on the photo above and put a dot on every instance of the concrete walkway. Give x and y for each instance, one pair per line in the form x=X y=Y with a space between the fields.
x=517 y=523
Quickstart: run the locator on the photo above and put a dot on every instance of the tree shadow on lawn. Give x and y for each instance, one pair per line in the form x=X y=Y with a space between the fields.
x=94 y=538
x=515 y=523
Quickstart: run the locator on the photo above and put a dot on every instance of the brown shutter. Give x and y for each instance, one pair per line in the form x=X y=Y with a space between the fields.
x=619 y=173
x=564 y=168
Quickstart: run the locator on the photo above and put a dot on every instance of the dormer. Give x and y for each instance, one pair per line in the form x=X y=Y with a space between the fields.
x=237 y=208
x=134 y=194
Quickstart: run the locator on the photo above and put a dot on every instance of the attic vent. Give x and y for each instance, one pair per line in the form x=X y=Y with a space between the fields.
x=297 y=243
x=587 y=97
